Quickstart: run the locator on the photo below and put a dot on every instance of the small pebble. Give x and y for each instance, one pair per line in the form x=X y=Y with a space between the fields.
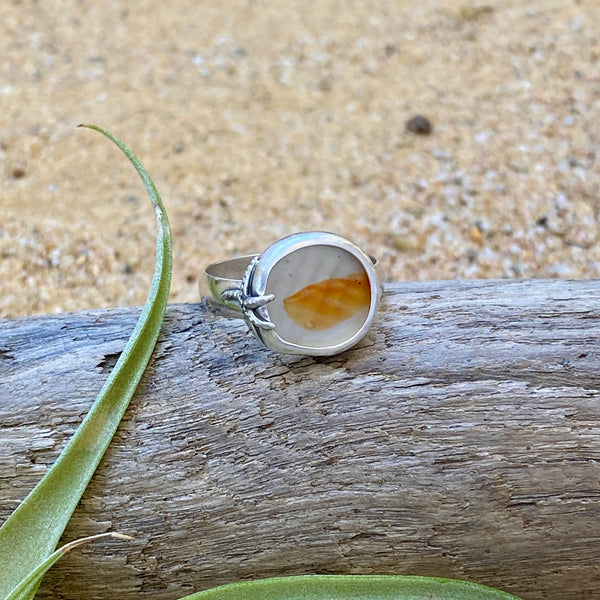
x=475 y=234
x=18 y=170
x=419 y=124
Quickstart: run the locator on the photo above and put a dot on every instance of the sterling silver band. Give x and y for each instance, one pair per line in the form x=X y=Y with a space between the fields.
x=339 y=292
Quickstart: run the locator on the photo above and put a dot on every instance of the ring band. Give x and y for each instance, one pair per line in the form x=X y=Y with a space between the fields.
x=312 y=293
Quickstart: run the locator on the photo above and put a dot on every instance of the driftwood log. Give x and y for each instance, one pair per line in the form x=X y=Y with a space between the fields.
x=460 y=439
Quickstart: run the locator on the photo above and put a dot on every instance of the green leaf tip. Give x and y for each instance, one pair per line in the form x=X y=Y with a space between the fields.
x=30 y=535
x=27 y=586
x=352 y=587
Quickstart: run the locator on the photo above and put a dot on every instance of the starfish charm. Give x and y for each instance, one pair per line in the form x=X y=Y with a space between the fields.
x=247 y=302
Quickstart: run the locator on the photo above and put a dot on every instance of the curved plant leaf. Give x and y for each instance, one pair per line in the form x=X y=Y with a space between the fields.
x=352 y=587
x=28 y=585
x=32 y=532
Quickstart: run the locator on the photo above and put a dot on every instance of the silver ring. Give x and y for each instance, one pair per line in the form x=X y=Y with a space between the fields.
x=312 y=293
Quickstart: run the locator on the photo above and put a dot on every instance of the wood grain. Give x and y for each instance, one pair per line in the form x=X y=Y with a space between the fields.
x=461 y=438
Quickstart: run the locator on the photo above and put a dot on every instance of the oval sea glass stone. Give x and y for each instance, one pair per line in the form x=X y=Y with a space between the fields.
x=322 y=296
x=327 y=303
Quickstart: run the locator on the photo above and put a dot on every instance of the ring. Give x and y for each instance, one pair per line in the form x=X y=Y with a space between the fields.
x=313 y=293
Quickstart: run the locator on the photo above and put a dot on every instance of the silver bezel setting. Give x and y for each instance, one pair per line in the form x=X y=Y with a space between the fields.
x=254 y=301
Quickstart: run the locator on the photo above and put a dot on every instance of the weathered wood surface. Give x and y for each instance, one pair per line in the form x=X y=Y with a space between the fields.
x=461 y=439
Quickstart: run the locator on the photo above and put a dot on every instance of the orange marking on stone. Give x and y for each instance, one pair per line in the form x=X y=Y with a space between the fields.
x=324 y=304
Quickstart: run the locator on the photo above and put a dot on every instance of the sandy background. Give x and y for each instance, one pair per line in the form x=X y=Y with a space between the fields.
x=257 y=119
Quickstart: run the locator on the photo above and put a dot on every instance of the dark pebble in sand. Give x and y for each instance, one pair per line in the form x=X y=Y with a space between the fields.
x=419 y=124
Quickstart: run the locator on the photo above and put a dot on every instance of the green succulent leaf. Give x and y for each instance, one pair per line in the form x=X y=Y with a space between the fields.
x=30 y=535
x=28 y=585
x=352 y=587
